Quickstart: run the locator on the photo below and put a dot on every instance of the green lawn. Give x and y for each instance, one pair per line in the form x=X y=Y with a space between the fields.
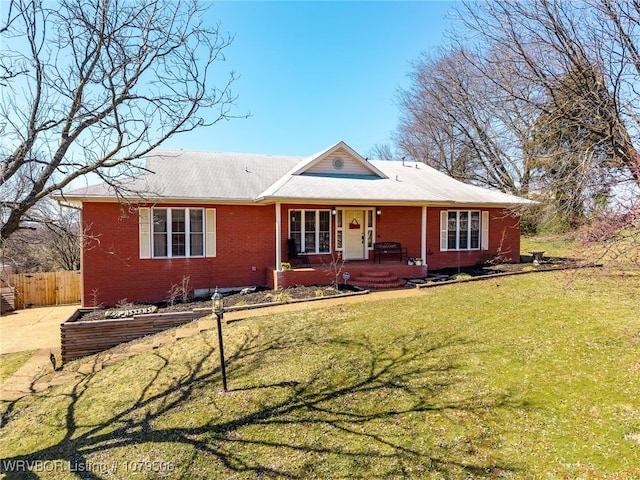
x=11 y=362
x=533 y=376
x=555 y=246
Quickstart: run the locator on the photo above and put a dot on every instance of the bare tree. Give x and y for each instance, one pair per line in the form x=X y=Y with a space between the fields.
x=455 y=119
x=577 y=67
x=49 y=245
x=382 y=151
x=538 y=96
x=91 y=86
x=63 y=237
x=565 y=149
x=555 y=46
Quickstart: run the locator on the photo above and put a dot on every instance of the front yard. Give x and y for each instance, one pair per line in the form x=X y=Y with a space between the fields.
x=531 y=376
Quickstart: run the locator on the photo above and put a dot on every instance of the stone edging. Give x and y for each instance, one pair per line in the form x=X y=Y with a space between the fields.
x=505 y=274
x=82 y=338
x=295 y=300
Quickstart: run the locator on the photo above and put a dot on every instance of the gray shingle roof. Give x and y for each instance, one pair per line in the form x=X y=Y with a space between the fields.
x=234 y=177
x=189 y=175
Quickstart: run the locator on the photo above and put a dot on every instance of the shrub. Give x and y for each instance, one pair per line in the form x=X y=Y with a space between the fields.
x=461 y=276
x=180 y=292
x=283 y=297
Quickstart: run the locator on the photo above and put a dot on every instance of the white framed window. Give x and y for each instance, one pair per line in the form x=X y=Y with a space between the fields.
x=177 y=232
x=464 y=230
x=311 y=229
x=339 y=230
x=369 y=227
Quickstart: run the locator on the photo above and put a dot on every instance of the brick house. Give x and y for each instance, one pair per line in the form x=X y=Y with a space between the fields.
x=231 y=220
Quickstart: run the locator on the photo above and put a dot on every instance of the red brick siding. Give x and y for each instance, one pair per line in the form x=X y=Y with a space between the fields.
x=394 y=224
x=324 y=275
x=400 y=224
x=113 y=270
x=504 y=239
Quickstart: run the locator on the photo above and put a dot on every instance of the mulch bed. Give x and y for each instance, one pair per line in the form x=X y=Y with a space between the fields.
x=261 y=295
x=235 y=299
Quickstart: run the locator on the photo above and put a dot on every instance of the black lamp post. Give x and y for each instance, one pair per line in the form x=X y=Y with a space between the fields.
x=218 y=309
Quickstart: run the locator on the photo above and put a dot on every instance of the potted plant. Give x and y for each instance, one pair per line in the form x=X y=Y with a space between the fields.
x=418 y=261
x=285 y=266
x=410 y=261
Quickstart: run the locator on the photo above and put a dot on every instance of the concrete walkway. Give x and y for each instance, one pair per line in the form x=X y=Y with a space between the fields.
x=31 y=329
x=39 y=329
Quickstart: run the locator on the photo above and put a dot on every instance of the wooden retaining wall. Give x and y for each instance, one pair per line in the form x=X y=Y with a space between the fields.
x=79 y=339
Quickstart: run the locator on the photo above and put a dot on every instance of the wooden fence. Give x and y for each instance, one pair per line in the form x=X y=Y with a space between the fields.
x=44 y=289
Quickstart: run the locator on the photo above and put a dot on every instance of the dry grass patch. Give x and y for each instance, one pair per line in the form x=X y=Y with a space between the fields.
x=530 y=376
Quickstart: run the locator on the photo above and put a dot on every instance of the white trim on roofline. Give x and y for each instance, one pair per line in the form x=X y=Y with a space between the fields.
x=349 y=202
x=264 y=202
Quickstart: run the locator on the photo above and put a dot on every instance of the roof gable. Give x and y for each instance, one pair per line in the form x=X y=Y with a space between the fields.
x=338 y=160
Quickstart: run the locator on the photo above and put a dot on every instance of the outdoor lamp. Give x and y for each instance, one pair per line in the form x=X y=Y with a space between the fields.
x=378 y=212
x=218 y=308
x=218 y=304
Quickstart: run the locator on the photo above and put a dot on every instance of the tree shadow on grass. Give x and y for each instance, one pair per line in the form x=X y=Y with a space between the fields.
x=362 y=411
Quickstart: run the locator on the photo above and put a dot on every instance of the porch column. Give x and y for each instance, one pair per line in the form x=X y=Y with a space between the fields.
x=423 y=237
x=278 y=237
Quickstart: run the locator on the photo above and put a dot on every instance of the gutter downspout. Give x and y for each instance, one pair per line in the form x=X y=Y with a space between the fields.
x=423 y=236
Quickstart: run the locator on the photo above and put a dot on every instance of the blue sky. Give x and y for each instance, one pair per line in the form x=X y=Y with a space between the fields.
x=314 y=73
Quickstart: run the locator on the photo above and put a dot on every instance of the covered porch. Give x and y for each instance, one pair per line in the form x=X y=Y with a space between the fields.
x=363 y=274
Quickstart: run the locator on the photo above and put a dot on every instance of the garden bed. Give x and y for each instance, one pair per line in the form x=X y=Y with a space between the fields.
x=234 y=300
x=262 y=296
x=90 y=331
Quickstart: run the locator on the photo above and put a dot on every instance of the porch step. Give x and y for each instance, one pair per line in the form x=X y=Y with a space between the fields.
x=377 y=281
x=377 y=273
x=379 y=286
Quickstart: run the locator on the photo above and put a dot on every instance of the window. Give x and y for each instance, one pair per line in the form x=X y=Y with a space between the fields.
x=177 y=232
x=461 y=230
x=311 y=229
x=196 y=238
x=339 y=230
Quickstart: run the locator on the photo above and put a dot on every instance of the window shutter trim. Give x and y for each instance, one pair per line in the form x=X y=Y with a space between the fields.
x=144 y=226
x=210 y=239
x=443 y=230
x=484 y=243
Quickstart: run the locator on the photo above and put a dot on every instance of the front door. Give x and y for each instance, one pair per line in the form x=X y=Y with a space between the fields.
x=354 y=232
